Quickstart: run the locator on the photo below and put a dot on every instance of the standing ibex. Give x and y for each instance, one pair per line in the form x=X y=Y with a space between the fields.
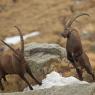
x=15 y=63
x=75 y=52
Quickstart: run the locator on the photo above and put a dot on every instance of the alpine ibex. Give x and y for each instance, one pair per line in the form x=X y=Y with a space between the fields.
x=15 y=63
x=75 y=52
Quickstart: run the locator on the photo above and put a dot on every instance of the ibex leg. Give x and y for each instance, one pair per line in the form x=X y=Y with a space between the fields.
x=88 y=69
x=4 y=78
x=79 y=71
x=22 y=77
x=72 y=60
x=32 y=76
x=1 y=86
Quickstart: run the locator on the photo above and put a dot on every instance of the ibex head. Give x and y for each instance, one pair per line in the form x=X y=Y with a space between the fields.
x=68 y=23
x=18 y=53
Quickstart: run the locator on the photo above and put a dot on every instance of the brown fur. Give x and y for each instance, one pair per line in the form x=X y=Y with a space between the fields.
x=75 y=52
x=15 y=63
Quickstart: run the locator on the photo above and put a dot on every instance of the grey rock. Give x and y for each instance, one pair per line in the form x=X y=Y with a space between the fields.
x=40 y=56
x=74 y=89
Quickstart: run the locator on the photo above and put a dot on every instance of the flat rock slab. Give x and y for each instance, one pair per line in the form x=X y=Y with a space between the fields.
x=75 y=89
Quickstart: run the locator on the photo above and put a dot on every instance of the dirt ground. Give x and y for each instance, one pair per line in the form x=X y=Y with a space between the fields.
x=46 y=16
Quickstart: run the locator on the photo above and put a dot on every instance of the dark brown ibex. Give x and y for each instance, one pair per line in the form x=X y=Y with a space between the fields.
x=15 y=63
x=75 y=52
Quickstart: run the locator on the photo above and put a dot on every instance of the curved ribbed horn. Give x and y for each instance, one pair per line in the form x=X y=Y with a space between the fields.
x=69 y=23
x=10 y=47
x=22 y=41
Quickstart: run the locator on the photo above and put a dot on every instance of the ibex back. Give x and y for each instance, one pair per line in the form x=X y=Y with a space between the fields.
x=75 y=52
x=15 y=63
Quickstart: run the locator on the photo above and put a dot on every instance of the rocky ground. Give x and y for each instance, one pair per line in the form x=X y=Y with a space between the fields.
x=80 y=89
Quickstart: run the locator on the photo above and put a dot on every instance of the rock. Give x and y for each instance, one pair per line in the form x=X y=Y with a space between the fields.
x=56 y=79
x=74 y=89
x=43 y=56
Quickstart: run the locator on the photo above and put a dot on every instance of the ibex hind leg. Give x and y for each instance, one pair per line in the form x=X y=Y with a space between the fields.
x=23 y=78
x=73 y=61
x=92 y=74
x=79 y=71
x=89 y=71
x=1 y=85
x=32 y=76
x=4 y=78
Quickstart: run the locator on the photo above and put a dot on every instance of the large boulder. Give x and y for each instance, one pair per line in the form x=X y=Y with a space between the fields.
x=44 y=57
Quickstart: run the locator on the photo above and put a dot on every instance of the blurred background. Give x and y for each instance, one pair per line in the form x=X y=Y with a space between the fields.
x=45 y=17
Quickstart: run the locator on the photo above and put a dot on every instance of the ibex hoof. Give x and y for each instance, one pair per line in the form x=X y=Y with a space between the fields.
x=31 y=88
x=80 y=78
x=40 y=83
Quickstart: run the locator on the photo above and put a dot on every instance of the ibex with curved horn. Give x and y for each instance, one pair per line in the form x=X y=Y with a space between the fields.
x=15 y=63
x=75 y=52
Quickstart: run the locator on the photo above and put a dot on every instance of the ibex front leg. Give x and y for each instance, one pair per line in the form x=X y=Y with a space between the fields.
x=72 y=60
x=1 y=86
x=32 y=76
x=78 y=70
x=22 y=77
